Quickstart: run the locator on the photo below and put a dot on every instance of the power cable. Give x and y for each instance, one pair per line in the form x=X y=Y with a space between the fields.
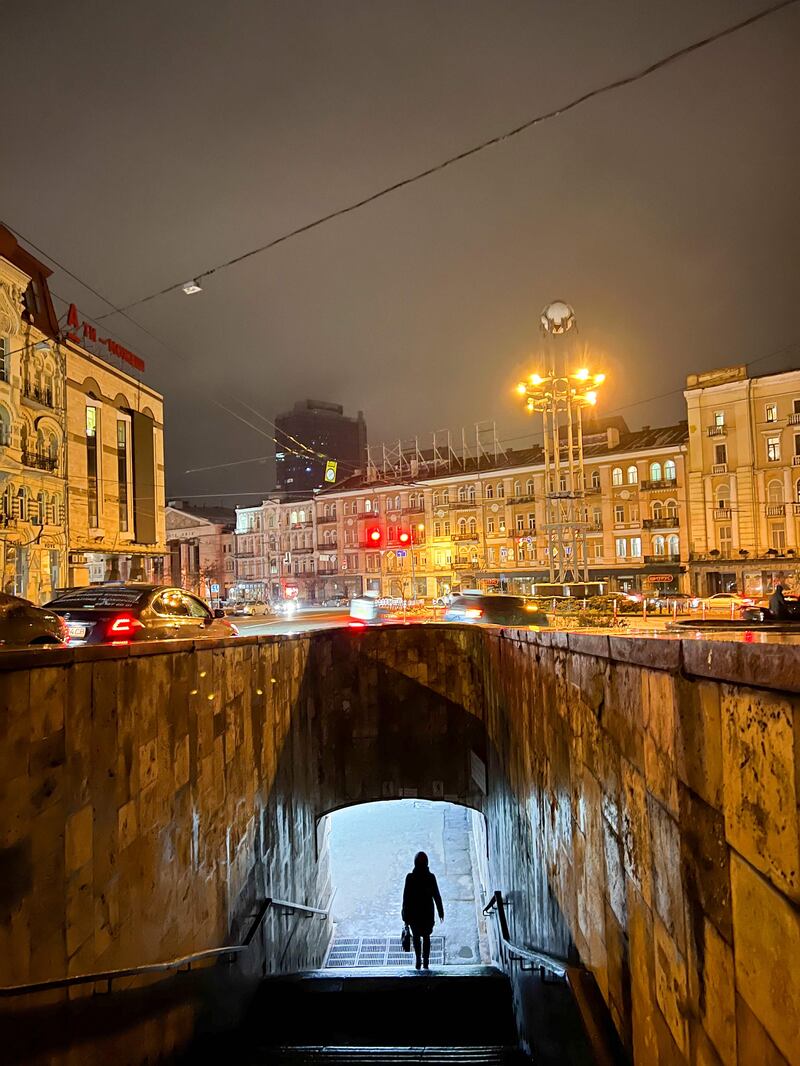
x=482 y=146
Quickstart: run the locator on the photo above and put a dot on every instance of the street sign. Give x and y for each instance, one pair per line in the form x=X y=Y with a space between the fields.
x=330 y=471
x=215 y=588
x=401 y=553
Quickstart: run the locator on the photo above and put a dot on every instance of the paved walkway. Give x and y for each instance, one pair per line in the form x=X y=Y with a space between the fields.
x=372 y=850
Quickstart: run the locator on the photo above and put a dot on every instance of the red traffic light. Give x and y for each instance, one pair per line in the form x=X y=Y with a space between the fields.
x=374 y=536
x=404 y=537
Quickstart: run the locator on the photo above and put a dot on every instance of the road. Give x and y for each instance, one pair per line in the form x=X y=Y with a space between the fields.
x=306 y=620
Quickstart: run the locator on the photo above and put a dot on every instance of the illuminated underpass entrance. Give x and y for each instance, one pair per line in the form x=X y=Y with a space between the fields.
x=372 y=847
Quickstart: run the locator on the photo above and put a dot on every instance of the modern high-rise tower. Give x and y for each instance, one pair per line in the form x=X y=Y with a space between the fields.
x=310 y=434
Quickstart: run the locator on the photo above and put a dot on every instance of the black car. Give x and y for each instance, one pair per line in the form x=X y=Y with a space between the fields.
x=23 y=625
x=123 y=612
x=495 y=610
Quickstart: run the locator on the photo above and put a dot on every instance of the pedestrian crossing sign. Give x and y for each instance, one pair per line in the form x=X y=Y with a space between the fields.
x=330 y=471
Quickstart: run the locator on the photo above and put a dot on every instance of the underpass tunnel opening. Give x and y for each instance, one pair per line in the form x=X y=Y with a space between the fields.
x=371 y=849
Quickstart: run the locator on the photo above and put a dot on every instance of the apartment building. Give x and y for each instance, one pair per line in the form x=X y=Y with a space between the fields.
x=200 y=547
x=479 y=524
x=743 y=480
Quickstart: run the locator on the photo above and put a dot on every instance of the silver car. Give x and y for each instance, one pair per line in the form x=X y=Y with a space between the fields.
x=22 y=625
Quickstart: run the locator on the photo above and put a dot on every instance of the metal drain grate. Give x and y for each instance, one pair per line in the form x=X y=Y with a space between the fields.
x=351 y=952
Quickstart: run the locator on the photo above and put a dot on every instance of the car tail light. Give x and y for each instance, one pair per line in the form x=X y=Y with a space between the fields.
x=357 y=625
x=473 y=612
x=124 y=625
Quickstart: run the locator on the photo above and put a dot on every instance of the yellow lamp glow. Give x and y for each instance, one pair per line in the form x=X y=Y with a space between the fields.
x=522 y=388
x=582 y=375
x=591 y=397
x=535 y=379
x=599 y=379
x=529 y=405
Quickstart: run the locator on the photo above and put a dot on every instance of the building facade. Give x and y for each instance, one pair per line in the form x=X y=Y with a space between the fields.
x=743 y=480
x=81 y=447
x=200 y=547
x=33 y=527
x=308 y=435
x=477 y=525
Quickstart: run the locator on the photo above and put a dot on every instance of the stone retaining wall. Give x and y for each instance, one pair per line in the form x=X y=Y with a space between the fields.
x=641 y=805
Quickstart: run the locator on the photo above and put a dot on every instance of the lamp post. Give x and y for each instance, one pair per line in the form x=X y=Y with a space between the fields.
x=560 y=398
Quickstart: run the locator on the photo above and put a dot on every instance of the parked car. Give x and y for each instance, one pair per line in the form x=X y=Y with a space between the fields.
x=495 y=610
x=24 y=625
x=336 y=601
x=723 y=601
x=759 y=611
x=121 y=612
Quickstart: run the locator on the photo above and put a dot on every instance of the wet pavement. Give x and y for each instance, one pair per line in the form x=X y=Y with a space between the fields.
x=372 y=849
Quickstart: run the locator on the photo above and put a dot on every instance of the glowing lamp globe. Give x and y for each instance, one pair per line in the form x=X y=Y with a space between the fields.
x=558 y=317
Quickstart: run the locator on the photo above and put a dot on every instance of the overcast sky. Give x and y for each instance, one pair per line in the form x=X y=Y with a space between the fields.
x=147 y=142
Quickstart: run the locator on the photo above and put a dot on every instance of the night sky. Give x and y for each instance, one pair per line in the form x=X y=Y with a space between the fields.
x=144 y=143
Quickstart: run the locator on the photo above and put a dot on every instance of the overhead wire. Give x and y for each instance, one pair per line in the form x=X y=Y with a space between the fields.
x=481 y=146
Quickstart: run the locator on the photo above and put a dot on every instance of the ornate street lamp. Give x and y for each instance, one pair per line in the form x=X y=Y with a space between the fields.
x=560 y=398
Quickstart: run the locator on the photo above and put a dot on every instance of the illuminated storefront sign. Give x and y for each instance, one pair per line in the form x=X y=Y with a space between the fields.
x=84 y=333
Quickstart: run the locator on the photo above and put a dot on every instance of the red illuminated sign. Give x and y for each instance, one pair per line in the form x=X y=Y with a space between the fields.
x=84 y=333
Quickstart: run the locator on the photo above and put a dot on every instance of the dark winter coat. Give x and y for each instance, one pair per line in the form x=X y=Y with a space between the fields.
x=419 y=895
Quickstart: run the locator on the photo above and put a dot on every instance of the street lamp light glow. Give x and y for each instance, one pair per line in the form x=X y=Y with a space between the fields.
x=522 y=388
x=535 y=379
x=582 y=375
x=599 y=379
x=591 y=397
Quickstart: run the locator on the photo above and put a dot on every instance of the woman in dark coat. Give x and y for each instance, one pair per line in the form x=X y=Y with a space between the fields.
x=419 y=896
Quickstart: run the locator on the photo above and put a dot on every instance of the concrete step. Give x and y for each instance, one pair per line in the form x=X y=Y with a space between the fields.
x=387 y=1056
x=460 y=1007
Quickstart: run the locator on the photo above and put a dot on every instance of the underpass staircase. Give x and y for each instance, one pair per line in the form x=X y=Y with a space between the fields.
x=451 y=1015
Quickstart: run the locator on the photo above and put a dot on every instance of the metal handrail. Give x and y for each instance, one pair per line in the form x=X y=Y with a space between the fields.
x=171 y=964
x=554 y=964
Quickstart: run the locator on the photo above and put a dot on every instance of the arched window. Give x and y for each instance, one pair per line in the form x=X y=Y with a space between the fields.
x=5 y=428
x=673 y=545
x=326 y=536
x=501 y=490
x=633 y=475
x=294 y=518
x=333 y=510
x=473 y=526
x=22 y=504
x=517 y=488
x=655 y=471
x=669 y=470
x=657 y=511
x=595 y=479
x=36 y=512
x=397 y=503
x=616 y=475
x=775 y=492
x=446 y=497
x=471 y=494
x=326 y=510
x=368 y=506
x=462 y=493
x=529 y=487
x=490 y=492
x=435 y=500
x=658 y=545
x=462 y=526
x=672 y=508
x=301 y=516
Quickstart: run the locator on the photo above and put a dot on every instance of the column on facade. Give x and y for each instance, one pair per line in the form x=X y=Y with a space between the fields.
x=791 y=533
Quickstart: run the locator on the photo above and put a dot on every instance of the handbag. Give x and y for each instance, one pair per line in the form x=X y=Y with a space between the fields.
x=405 y=938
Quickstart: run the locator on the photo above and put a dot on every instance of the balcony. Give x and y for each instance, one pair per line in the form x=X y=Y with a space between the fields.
x=327 y=571
x=325 y=519
x=719 y=468
x=6 y=520
x=659 y=559
x=793 y=419
x=722 y=513
x=38 y=395
x=716 y=431
x=522 y=499
x=775 y=510
x=301 y=551
x=39 y=461
x=670 y=522
x=665 y=484
x=796 y=460
x=466 y=537
x=464 y=564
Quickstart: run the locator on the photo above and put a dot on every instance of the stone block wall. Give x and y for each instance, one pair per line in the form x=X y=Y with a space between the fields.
x=641 y=803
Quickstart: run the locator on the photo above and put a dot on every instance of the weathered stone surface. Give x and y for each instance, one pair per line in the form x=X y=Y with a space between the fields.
x=151 y=795
x=766 y=936
x=761 y=815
